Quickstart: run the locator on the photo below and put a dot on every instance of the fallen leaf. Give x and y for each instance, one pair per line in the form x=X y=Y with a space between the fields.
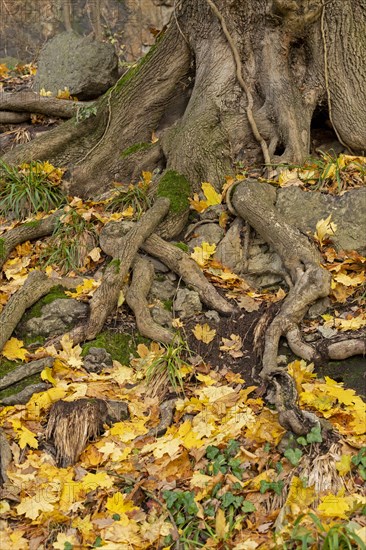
x=204 y=333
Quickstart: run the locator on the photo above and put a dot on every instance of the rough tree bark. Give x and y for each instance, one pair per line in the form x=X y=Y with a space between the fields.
x=229 y=82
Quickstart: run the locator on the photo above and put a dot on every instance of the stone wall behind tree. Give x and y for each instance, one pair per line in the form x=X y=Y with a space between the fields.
x=27 y=24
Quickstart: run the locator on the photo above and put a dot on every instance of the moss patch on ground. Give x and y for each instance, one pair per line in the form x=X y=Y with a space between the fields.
x=121 y=346
x=177 y=189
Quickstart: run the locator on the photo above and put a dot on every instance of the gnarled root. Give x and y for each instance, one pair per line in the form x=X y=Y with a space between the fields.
x=143 y=274
x=254 y=202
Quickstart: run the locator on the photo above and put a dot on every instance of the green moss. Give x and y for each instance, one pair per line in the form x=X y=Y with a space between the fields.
x=168 y=305
x=2 y=249
x=135 y=148
x=133 y=71
x=182 y=246
x=33 y=223
x=116 y=263
x=36 y=310
x=177 y=189
x=15 y=388
x=120 y=346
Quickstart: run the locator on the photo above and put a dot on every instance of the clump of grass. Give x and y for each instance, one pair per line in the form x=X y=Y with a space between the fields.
x=71 y=241
x=166 y=368
x=134 y=196
x=28 y=189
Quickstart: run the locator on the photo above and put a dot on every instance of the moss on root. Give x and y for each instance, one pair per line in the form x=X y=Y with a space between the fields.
x=135 y=148
x=177 y=189
x=2 y=249
x=36 y=310
x=121 y=346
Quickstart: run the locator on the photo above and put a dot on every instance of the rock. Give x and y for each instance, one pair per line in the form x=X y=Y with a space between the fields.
x=162 y=290
x=56 y=318
x=264 y=265
x=162 y=316
x=212 y=315
x=187 y=303
x=210 y=233
x=213 y=212
x=304 y=210
x=230 y=250
x=86 y=67
x=97 y=359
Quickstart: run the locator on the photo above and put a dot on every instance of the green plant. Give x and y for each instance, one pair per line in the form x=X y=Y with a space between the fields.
x=134 y=196
x=224 y=460
x=29 y=189
x=168 y=365
x=314 y=436
x=341 y=536
x=275 y=486
x=70 y=243
x=83 y=113
x=360 y=461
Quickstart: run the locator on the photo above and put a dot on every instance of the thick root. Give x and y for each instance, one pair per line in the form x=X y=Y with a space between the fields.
x=27 y=232
x=254 y=202
x=35 y=287
x=143 y=275
x=124 y=251
x=174 y=258
x=30 y=102
x=24 y=371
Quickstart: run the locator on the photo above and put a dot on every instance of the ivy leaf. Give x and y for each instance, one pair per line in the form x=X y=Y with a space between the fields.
x=293 y=455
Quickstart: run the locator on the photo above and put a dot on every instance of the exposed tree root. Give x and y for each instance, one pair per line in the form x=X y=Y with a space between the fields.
x=143 y=275
x=346 y=348
x=124 y=251
x=36 y=286
x=9 y=117
x=28 y=369
x=30 y=102
x=175 y=259
x=5 y=457
x=309 y=282
x=27 y=232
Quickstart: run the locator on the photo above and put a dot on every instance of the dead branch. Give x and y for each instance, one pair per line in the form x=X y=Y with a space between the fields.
x=27 y=231
x=8 y=117
x=143 y=274
x=347 y=348
x=22 y=397
x=23 y=371
x=30 y=102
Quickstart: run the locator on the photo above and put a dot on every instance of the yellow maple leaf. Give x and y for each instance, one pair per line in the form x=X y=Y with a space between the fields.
x=86 y=288
x=65 y=540
x=119 y=504
x=32 y=507
x=46 y=375
x=299 y=496
x=197 y=204
x=334 y=506
x=14 y=350
x=45 y=93
x=203 y=253
x=204 y=333
x=212 y=197
x=324 y=228
x=344 y=464
x=90 y=481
